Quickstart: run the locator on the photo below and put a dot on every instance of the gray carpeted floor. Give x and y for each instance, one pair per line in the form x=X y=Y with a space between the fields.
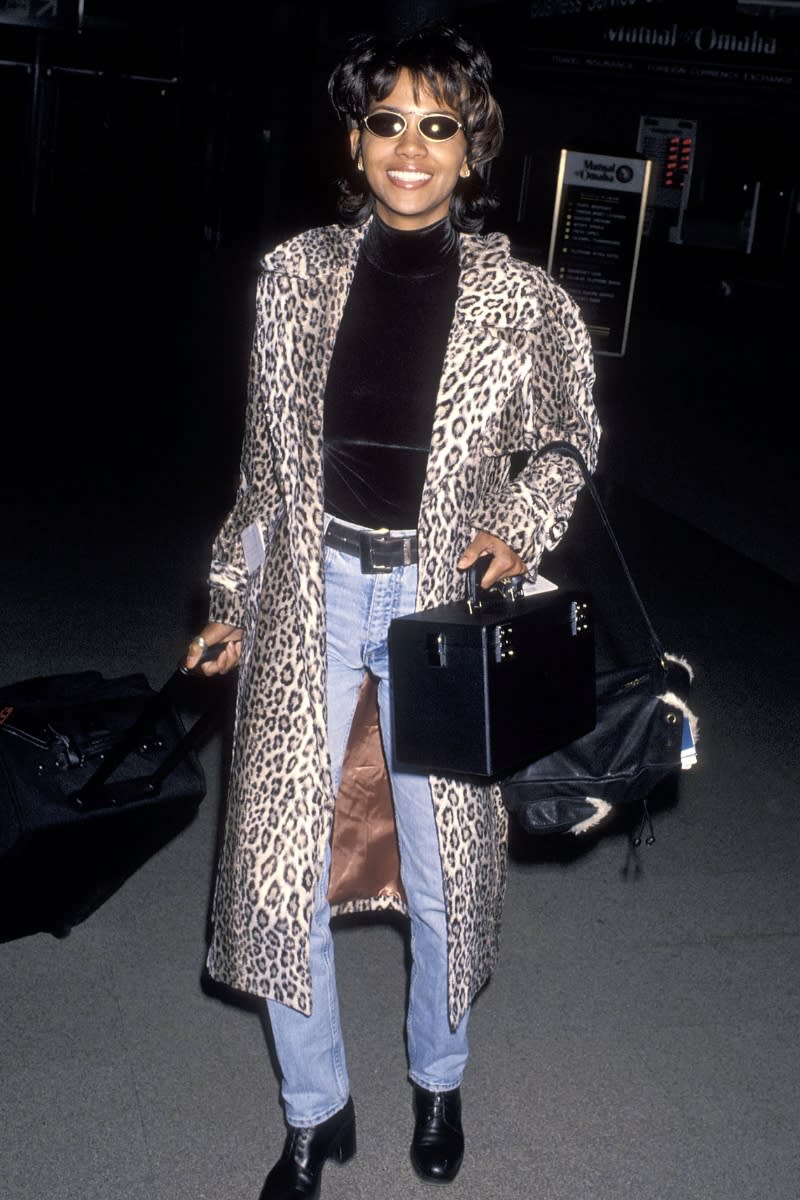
x=638 y=1040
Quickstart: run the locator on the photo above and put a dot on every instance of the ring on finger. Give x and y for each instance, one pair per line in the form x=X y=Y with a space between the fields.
x=200 y=641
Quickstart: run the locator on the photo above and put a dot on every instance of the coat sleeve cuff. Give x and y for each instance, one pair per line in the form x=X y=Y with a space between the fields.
x=531 y=513
x=225 y=605
x=526 y=524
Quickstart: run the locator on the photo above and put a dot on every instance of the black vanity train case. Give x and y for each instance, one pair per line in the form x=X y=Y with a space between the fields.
x=482 y=687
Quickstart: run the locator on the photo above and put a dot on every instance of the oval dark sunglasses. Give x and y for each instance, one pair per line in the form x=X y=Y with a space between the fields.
x=434 y=127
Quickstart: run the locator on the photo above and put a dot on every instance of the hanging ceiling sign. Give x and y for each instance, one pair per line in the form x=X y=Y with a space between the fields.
x=594 y=246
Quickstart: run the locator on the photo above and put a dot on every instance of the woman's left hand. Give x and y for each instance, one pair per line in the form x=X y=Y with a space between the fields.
x=506 y=561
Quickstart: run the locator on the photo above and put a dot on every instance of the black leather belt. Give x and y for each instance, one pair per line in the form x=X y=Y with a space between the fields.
x=376 y=549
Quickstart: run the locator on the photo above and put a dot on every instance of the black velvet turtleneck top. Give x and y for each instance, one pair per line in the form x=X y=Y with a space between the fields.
x=385 y=372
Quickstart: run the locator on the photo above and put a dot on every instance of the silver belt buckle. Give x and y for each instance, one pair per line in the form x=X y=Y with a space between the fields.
x=366 y=541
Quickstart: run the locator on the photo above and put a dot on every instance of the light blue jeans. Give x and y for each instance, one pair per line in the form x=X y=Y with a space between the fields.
x=310 y=1048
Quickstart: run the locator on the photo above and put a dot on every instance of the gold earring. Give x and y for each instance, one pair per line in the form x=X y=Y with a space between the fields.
x=360 y=162
x=465 y=171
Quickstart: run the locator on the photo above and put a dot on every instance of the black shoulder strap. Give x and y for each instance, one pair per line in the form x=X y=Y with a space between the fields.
x=572 y=452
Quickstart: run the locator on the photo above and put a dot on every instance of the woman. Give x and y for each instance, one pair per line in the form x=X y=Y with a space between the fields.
x=399 y=361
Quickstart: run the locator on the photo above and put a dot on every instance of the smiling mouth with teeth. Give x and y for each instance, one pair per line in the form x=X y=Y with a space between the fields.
x=410 y=176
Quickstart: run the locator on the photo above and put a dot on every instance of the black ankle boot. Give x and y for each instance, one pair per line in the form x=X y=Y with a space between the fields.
x=296 y=1174
x=438 y=1144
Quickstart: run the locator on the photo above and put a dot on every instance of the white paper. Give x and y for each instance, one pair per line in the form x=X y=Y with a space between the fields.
x=541 y=585
x=253 y=546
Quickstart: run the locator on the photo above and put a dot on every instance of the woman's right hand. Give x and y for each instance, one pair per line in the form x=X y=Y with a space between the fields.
x=213 y=633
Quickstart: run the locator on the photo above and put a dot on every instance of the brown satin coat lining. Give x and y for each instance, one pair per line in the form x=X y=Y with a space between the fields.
x=365 y=860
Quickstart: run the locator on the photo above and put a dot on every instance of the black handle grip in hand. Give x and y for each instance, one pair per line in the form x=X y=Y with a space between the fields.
x=475 y=574
x=500 y=596
x=210 y=654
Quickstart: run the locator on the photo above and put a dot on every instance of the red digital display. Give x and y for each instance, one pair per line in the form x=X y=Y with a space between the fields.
x=677 y=161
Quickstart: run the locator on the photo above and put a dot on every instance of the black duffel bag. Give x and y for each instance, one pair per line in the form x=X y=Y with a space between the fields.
x=639 y=740
x=96 y=775
x=644 y=733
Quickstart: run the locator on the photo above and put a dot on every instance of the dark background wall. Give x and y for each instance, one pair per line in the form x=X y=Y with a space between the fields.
x=149 y=152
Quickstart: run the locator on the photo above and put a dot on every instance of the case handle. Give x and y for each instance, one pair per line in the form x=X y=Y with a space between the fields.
x=500 y=597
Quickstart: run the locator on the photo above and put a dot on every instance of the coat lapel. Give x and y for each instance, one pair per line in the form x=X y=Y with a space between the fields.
x=483 y=368
x=314 y=279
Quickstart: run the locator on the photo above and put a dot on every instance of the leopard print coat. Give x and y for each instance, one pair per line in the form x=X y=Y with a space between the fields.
x=517 y=373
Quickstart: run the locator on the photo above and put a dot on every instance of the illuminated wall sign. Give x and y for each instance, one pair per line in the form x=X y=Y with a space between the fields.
x=594 y=245
x=751 y=46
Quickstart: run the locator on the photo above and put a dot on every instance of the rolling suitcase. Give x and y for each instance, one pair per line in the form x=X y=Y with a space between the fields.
x=96 y=775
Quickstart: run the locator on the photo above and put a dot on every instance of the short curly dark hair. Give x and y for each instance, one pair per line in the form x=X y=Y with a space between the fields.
x=457 y=72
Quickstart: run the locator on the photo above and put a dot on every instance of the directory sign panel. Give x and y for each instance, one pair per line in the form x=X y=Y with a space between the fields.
x=596 y=235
